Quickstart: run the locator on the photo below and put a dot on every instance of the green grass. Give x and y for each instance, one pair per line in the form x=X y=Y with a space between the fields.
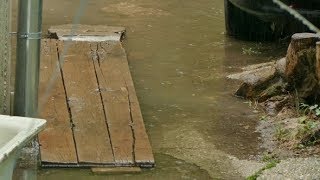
x=281 y=133
x=269 y=165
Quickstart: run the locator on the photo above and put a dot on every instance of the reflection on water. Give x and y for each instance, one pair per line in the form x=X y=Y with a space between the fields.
x=179 y=57
x=167 y=168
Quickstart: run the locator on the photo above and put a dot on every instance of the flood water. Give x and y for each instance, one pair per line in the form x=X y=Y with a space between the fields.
x=179 y=56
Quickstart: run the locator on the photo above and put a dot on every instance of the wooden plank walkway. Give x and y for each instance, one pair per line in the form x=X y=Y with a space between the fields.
x=94 y=117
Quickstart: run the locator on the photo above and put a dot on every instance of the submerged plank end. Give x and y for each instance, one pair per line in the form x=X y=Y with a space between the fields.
x=115 y=170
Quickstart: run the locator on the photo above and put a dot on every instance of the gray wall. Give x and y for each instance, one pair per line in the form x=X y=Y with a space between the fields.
x=4 y=57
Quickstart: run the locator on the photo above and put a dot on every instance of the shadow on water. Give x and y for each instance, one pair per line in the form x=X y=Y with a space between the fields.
x=179 y=58
x=167 y=168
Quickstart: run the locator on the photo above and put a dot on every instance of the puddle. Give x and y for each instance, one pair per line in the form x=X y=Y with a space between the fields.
x=131 y=9
x=179 y=57
x=167 y=168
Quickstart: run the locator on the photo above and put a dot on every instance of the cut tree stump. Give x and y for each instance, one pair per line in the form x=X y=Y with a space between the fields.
x=301 y=66
x=299 y=42
x=297 y=74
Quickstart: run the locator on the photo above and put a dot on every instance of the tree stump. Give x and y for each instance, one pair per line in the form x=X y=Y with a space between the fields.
x=298 y=73
x=301 y=66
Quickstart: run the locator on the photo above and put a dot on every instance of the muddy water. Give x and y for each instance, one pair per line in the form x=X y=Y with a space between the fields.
x=179 y=57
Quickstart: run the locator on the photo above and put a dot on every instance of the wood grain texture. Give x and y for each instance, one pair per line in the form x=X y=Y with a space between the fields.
x=90 y=129
x=117 y=60
x=115 y=98
x=114 y=33
x=143 y=150
x=93 y=111
x=57 y=145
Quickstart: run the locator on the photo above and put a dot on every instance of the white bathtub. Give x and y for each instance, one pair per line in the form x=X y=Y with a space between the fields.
x=15 y=132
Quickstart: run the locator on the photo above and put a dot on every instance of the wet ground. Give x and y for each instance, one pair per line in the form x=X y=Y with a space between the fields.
x=179 y=57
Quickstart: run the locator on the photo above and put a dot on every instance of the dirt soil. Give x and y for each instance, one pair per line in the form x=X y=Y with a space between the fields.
x=278 y=132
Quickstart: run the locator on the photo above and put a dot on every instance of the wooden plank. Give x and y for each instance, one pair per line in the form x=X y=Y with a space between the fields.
x=143 y=151
x=116 y=170
x=84 y=63
x=87 y=32
x=90 y=129
x=116 y=103
x=116 y=55
x=57 y=145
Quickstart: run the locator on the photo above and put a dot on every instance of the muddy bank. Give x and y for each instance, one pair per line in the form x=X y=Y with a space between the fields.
x=287 y=91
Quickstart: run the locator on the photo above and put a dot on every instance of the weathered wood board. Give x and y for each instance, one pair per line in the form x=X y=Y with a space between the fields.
x=94 y=117
x=85 y=32
x=116 y=67
x=115 y=99
x=57 y=143
x=87 y=113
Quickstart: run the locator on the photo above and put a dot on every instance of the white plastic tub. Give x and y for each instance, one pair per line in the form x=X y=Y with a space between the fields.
x=15 y=132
